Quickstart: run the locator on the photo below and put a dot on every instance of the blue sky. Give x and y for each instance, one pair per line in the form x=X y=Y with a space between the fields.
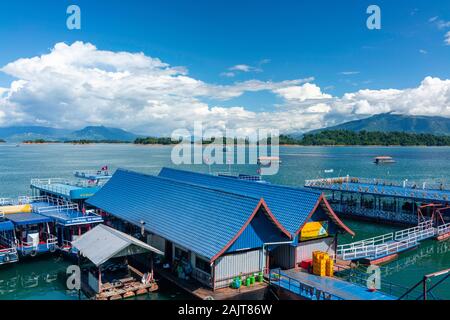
x=275 y=40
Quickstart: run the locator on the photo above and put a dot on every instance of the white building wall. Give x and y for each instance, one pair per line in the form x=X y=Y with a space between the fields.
x=306 y=249
x=239 y=263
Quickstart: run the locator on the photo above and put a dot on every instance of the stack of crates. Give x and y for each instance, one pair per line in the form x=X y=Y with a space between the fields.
x=322 y=264
x=329 y=270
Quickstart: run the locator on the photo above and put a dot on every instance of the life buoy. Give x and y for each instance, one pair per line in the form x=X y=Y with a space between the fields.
x=52 y=248
x=6 y=258
x=33 y=253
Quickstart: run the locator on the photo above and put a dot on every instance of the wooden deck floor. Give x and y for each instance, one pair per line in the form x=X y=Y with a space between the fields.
x=199 y=291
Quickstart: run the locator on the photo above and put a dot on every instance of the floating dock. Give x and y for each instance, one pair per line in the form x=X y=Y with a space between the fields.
x=380 y=200
x=83 y=186
x=305 y=286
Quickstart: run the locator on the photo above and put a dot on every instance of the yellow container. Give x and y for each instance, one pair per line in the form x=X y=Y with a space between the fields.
x=26 y=208
x=316 y=256
x=330 y=268
x=319 y=267
x=322 y=264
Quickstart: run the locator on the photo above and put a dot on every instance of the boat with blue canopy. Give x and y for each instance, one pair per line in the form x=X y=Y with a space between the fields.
x=69 y=222
x=32 y=232
x=8 y=251
x=46 y=224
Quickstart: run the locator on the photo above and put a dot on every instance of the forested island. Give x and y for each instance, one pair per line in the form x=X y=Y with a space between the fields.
x=155 y=140
x=337 y=138
x=82 y=141
x=39 y=141
x=366 y=138
x=86 y=141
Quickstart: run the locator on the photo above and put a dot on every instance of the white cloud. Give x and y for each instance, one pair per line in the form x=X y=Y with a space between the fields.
x=242 y=68
x=228 y=74
x=441 y=24
x=77 y=85
x=302 y=93
x=423 y=51
x=349 y=73
x=245 y=68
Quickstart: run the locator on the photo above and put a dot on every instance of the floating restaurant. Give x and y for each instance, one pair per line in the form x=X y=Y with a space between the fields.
x=211 y=234
x=381 y=200
x=214 y=229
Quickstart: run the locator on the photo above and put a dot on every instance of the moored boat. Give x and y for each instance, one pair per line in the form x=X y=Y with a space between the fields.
x=383 y=160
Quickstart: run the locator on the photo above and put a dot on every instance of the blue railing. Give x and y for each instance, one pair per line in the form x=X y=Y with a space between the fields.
x=277 y=277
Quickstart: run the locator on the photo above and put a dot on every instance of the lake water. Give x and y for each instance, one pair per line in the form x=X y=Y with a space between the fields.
x=20 y=164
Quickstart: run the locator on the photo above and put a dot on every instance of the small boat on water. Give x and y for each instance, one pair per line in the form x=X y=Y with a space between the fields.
x=383 y=160
x=267 y=161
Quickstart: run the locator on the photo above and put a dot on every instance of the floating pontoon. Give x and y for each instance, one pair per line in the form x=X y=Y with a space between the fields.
x=380 y=199
x=83 y=186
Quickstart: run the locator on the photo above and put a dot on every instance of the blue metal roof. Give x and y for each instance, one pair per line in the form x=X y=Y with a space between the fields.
x=6 y=226
x=20 y=219
x=290 y=205
x=201 y=219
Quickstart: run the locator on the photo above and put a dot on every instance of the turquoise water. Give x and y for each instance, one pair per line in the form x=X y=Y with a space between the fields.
x=20 y=164
x=44 y=278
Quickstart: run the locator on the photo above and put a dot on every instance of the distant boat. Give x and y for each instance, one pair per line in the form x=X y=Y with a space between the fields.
x=267 y=161
x=383 y=160
x=329 y=171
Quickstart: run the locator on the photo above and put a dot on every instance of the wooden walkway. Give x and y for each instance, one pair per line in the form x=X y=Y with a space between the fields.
x=200 y=291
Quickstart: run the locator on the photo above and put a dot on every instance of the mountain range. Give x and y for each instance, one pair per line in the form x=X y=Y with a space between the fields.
x=388 y=122
x=23 y=133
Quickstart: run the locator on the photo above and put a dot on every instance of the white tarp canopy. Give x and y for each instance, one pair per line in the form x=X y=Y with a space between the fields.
x=103 y=243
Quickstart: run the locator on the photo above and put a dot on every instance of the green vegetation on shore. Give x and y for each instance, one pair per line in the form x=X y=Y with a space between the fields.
x=154 y=140
x=82 y=141
x=365 y=138
x=85 y=141
x=39 y=141
x=338 y=138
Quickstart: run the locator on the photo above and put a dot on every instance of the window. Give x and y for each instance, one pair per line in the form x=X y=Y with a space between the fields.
x=203 y=265
x=181 y=254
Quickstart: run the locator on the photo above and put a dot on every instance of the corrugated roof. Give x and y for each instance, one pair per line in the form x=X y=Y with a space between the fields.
x=290 y=205
x=103 y=243
x=198 y=218
x=27 y=218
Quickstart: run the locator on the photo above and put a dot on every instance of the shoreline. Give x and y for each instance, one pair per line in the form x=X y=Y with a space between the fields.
x=171 y=145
